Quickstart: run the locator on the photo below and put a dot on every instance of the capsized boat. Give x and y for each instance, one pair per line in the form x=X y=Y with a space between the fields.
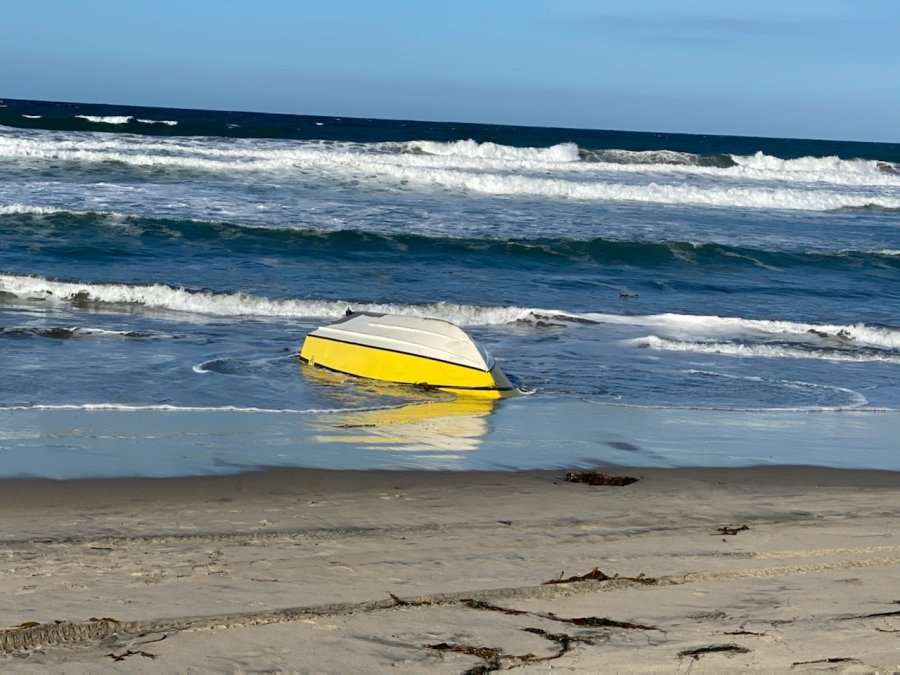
x=409 y=350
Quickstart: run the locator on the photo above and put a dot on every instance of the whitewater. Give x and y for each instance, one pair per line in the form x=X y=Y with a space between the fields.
x=760 y=181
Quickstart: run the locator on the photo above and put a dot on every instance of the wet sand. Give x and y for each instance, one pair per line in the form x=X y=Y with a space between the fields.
x=367 y=571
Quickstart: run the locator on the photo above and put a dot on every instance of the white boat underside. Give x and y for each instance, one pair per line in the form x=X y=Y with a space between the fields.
x=428 y=338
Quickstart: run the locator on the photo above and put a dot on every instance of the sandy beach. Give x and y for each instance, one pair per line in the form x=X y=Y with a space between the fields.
x=700 y=570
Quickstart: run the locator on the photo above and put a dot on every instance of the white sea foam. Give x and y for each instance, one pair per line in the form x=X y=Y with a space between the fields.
x=758 y=167
x=717 y=196
x=810 y=166
x=106 y=119
x=163 y=297
x=87 y=331
x=645 y=157
x=169 y=123
x=39 y=210
x=492 y=169
x=561 y=153
x=32 y=117
x=186 y=153
x=31 y=210
x=677 y=327
x=761 y=350
x=67 y=332
x=689 y=326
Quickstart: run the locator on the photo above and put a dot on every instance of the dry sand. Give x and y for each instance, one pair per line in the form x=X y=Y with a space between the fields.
x=326 y=571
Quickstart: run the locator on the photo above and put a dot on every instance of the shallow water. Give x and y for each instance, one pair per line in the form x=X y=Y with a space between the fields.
x=516 y=434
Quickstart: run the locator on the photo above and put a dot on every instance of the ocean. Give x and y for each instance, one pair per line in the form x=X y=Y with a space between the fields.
x=660 y=299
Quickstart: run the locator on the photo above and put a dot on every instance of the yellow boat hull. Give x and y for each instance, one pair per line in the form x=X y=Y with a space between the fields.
x=394 y=366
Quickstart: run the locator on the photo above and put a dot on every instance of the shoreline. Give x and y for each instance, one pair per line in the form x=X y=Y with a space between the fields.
x=525 y=433
x=374 y=570
x=19 y=490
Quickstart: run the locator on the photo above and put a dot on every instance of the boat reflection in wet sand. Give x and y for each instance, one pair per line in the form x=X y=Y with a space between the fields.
x=430 y=353
x=432 y=429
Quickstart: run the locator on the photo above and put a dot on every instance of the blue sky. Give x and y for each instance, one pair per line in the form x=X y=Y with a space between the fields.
x=794 y=68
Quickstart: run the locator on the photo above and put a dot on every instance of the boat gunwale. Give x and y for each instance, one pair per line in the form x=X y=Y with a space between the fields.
x=428 y=385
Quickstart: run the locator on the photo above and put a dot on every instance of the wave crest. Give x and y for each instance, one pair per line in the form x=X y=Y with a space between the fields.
x=560 y=153
x=783 y=351
x=32 y=210
x=70 y=332
x=735 y=336
x=732 y=336
x=106 y=119
x=215 y=303
x=829 y=167
x=212 y=303
x=117 y=119
x=688 y=326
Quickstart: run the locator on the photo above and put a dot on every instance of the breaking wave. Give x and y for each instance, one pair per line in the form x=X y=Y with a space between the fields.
x=106 y=119
x=211 y=303
x=755 y=167
x=121 y=119
x=786 y=351
x=732 y=335
x=30 y=210
x=556 y=172
x=560 y=153
x=683 y=327
x=70 y=332
x=168 y=123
